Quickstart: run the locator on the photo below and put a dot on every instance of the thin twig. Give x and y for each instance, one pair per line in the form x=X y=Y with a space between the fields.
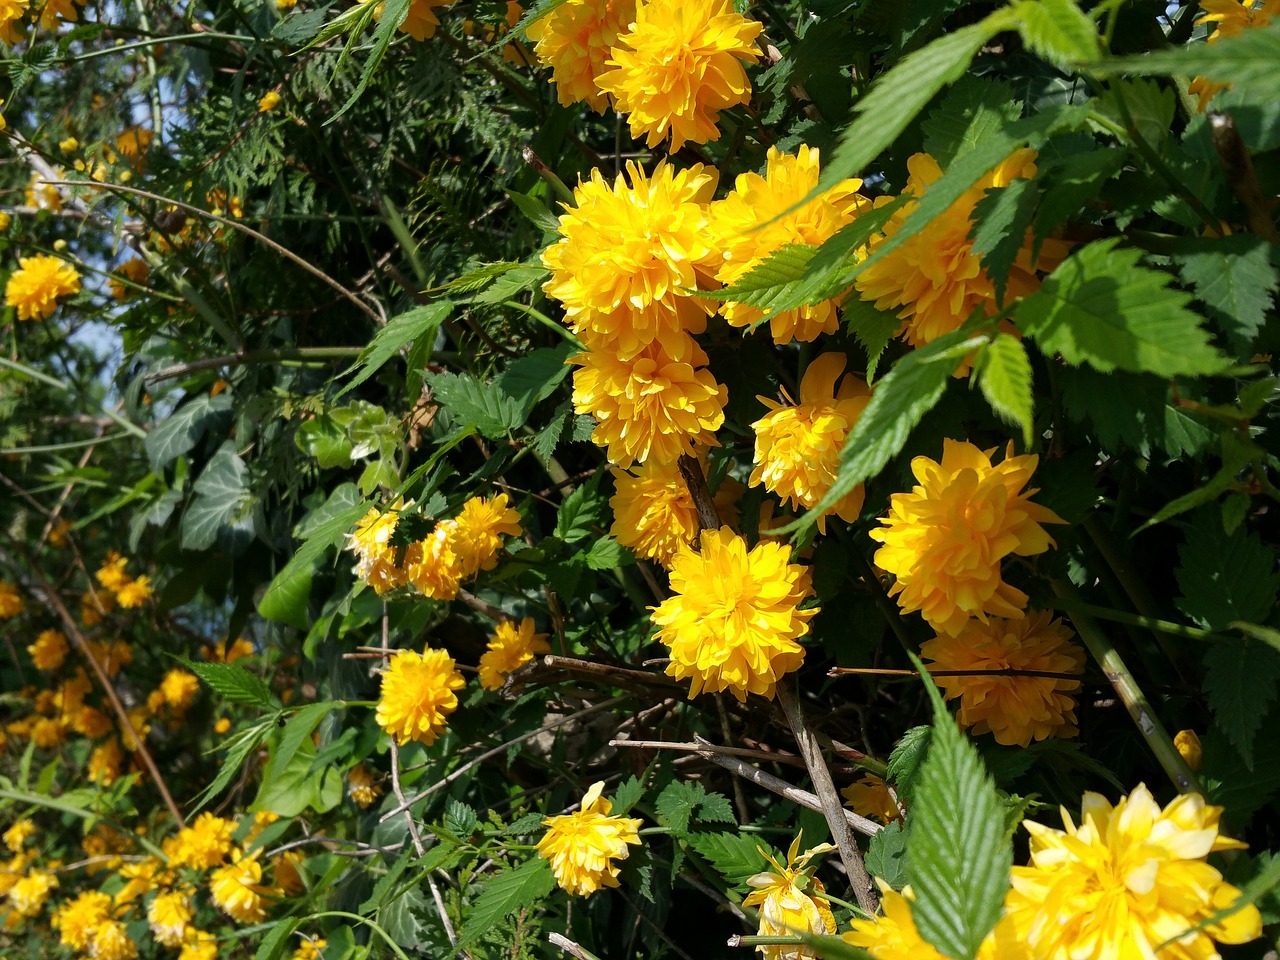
x=703 y=747
x=568 y=946
x=484 y=606
x=574 y=665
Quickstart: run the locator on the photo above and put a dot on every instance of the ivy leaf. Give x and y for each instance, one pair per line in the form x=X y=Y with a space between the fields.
x=901 y=399
x=486 y=406
x=219 y=509
x=181 y=431
x=1234 y=277
x=401 y=918
x=503 y=895
x=399 y=331
x=735 y=856
x=1058 y=31
x=958 y=856
x=1225 y=577
x=1004 y=374
x=1102 y=308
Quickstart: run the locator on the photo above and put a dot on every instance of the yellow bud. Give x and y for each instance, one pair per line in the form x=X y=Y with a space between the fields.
x=60 y=245
x=5 y=220
x=69 y=145
x=222 y=726
x=126 y=176
x=270 y=100
x=1188 y=745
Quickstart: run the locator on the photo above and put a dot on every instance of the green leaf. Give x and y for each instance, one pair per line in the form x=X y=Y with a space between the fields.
x=627 y=796
x=1058 y=31
x=1241 y=679
x=1225 y=577
x=735 y=856
x=1234 y=277
x=900 y=400
x=503 y=895
x=547 y=439
x=534 y=14
x=1001 y=219
x=580 y=511
x=287 y=596
x=277 y=939
x=899 y=95
x=239 y=748
x=887 y=855
x=296 y=786
x=323 y=438
x=906 y=760
x=1004 y=374
x=958 y=856
x=401 y=918
x=973 y=109
x=399 y=331
x=181 y=431
x=300 y=26
x=386 y=885
x=535 y=211
x=459 y=818
x=536 y=376
x=607 y=554
x=219 y=508
x=296 y=732
x=393 y=13
x=873 y=327
x=486 y=406
x=234 y=683
x=1141 y=106
x=681 y=802
x=1069 y=184
x=1102 y=308
x=1237 y=453
x=519 y=279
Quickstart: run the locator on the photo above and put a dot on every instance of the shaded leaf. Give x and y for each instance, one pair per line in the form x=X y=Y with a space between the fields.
x=400 y=331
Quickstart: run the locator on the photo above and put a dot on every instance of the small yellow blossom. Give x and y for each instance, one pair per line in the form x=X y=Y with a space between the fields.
x=49 y=650
x=574 y=40
x=136 y=271
x=870 y=797
x=477 y=532
x=69 y=145
x=112 y=942
x=310 y=948
x=269 y=101
x=361 y=788
x=236 y=889
x=5 y=217
x=222 y=725
x=16 y=837
x=94 y=606
x=431 y=566
x=28 y=896
x=44 y=195
x=169 y=916
x=420 y=21
x=418 y=695
x=203 y=845
x=582 y=846
x=134 y=593
x=78 y=920
x=111 y=574
x=10 y=601
x=286 y=868
x=511 y=646
x=654 y=514
x=790 y=902
x=54 y=10
x=105 y=762
x=199 y=945
x=39 y=282
x=1188 y=745
x=179 y=688
x=371 y=543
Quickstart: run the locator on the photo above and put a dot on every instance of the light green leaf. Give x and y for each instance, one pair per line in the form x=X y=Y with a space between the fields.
x=297 y=731
x=1058 y=31
x=392 y=13
x=1004 y=374
x=580 y=511
x=503 y=895
x=234 y=683
x=1103 y=308
x=535 y=211
x=887 y=855
x=487 y=406
x=276 y=941
x=399 y=331
x=607 y=554
x=239 y=748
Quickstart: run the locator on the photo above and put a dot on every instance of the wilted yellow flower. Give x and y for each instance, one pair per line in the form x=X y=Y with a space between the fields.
x=945 y=539
x=798 y=446
x=1232 y=17
x=203 y=845
x=870 y=797
x=733 y=620
x=582 y=846
x=12 y=13
x=790 y=901
x=16 y=837
x=758 y=218
x=1188 y=745
x=630 y=256
x=677 y=66
x=10 y=600
x=574 y=41
x=77 y=920
x=511 y=646
x=418 y=695
x=653 y=512
x=1015 y=709
x=180 y=688
x=169 y=916
x=653 y=406
x=934 y=280
x=1126 y=880
x=36 y=286
x=431 y=565
x=135 y=270
x=371 y=543
x=268 y=101
x=236 y=889
x=134 y=593
x=49 y=650
x=361 y=788
x=27 y=897
x=105 y=761
x=477 y=532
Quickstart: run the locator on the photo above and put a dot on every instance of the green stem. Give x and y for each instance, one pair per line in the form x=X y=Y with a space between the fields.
x=395 y=947
x=59 y=447
x=34 y=374
x=155 y=41
x=1167 y=627
x=547 y=322
x=1131 y=695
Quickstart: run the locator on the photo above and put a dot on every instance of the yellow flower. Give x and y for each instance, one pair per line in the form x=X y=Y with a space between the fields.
x=28 y=896
x=629 y=257
x=179 y=688
x=47 y=733
x=228 y=653
x=934 y=280
x=199 y=945
x=16 y=837
x=269 y=101
x=418 y=694
x=1188 y=745
x=945 y=539
x=310 y=948
x=111 y=574
x=653 y=512
x=1232 y=17
x=49 y=650
x=574 y=41
x=112 y=656
x=420 y=21
x=582 y=846
x=1126 y=880
x=798 y=447
x=1015 y=709
x=91 y=722
x=203 y=845
x=34 y=288
x=112 y=942
x=477 y=532
x=286 y=4
x=12 y=13
x=371 y=543
x=760 y=216
x=361 y=788
x=5 y=217
x=134 y=593
x=236 y=889
x=653 y=406
x=44 y=195
x=222 y=725
x=169 y=916
x=678 y=66
x=511 y=646
x=10 y=601
x=135 y=270
x=870 y=797
x=53 y=10
x=733 y=620
x=94 y=606
x=105 y=761
x=431 y=565
x=132 y=145
x=69 y=145
x=58 y=533
x=78 y=919
x=787 y=907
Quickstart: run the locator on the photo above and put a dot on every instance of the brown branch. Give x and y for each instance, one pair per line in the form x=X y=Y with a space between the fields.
x=691 y=473
x=1241 y=176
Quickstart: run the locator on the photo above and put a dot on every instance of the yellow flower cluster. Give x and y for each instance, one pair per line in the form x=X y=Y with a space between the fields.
x=129 y=592
x=511 y=647
x=583 y=846
x=871 y=798
x=40 y=281
x=11 y=603
x=418 y=695
x=734 y=618
x=455 y=550
x=49 y=650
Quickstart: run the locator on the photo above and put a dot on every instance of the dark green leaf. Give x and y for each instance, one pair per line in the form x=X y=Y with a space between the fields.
x=402 y=918
x=535 y=211
x=299 y=27
x=887 y=855
x=580 y=511
x=1225 y=577
x=1234 y=277
x=607 y=554
x=392 y=13
x=221 y=503
x=972 y=110
x=627 y=796
x=1001 y=219
x=503 y=895
x=535 y=376
x=400 y=331
x=735 y=856
x=276 y=941
x=181 y=431
x=387 y=883
x=459 y=818
x=239 y=748
x=1241 y=680
x=490 y=409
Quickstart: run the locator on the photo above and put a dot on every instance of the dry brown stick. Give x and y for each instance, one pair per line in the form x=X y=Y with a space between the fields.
x=702 y=746
x=802 y=798
x=484 y=606
x=568 y=946
x=691 y=473
x=864 y=889
x=1241 y=176
x=739 y=795
x=574 y=665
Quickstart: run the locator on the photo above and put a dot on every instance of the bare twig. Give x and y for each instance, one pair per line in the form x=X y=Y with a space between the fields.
x=574 y=665
x=703 y=747
x=691 y=473
x=568 y=946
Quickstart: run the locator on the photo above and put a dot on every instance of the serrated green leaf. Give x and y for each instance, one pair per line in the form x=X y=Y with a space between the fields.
x=536 y=376
x=1102 y=308
x=503 y=895
x=520 y=279
x=286 y=597
x=535 y=211
x=873 y=327
x=675 y=804
x=1234 y=277
x=399 y=331
x=534 y=14
x=1225 y=577
x=401 y=918
x=607 y=554
x=391 y=14
x=547 y=439
x=181 y=431
x=906 y=760
x=1141 y=108
x=234 y=683
x=239 y=748
x=487 y=407
x=735 y=856
x=1058 y=31
x=459 y=818
x=887 y=855
x=300 y=26
x=580 y=511
x=1004 y=374
x=1237 y=453
x=972 y=110
x=1001 y=219
x=958 y=858
x=386 y=884
x=1070 y=183
x=1241 y=679
x=900 y=400
x=627 y=796
x=322 y=438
